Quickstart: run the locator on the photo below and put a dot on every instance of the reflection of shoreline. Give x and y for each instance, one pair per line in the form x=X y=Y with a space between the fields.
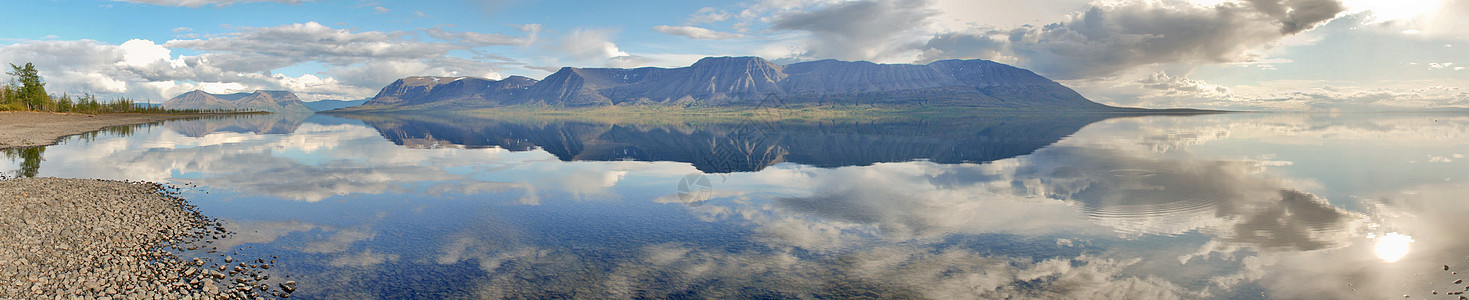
x=722 y=147
x=33 y=129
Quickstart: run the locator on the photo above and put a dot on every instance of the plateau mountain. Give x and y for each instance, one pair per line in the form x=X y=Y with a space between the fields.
x=748 y=82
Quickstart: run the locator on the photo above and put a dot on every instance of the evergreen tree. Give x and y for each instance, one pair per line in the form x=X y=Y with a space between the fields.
x=31 y=91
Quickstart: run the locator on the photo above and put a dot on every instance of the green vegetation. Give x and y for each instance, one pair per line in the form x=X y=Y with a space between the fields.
x=26 y=92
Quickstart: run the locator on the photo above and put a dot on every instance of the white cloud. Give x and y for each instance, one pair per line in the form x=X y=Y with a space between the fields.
x=141 y=53
x=699 y=33
x=590 y=45
x=381 y=10
x=532 y=32
x=1175 y=86
x=708 y=15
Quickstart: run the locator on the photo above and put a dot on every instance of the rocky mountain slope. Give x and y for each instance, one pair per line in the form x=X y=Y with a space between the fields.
x=750 y=81
x=270 y=101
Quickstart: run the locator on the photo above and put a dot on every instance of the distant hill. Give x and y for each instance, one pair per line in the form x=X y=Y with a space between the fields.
x=748 y=81
x=323 y=105
x=271 y=101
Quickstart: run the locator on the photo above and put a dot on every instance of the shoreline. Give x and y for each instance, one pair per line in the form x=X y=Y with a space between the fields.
x=34 y=129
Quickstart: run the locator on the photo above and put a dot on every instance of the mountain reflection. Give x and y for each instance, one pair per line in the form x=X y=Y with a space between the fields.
x=255 y=123
x=745 y=145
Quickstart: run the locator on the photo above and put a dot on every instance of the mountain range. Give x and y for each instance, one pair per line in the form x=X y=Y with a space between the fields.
x=268 y=101
x=749 y=82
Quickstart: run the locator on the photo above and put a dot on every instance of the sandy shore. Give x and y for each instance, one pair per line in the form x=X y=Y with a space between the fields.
x=30 y=129
x=100 y=239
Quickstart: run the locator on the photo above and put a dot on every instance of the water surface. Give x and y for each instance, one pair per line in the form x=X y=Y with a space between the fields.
x=1044 y=206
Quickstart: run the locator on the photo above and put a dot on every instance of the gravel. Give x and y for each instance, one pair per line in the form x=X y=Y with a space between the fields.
x=100 y=239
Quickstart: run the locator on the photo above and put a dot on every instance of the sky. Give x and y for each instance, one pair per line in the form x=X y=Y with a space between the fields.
x=1296 y=55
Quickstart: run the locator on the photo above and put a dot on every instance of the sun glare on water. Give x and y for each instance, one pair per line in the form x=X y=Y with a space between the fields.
x=1393 y=246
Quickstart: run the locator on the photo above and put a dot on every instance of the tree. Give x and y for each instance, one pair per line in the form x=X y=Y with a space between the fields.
x=32 y=92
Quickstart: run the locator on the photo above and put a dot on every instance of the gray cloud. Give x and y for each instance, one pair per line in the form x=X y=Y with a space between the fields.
x=858 y=30
x=264 y=49
x=1105 y=40
x=362 y=61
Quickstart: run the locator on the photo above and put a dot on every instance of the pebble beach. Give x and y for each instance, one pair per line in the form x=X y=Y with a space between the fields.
x=104 y=239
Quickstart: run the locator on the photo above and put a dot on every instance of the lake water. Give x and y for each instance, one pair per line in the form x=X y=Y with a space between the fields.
x=1060 y=206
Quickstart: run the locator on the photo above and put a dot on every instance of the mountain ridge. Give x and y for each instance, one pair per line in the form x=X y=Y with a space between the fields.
x=747 y=81
x=260 y=100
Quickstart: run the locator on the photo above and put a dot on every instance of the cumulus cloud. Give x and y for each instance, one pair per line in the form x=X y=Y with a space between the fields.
x=858 y=30
x=698 y=33
x=198 y=3
x=590 y=45
x=1110 y=38
x=1179 y=86
x=357 y=63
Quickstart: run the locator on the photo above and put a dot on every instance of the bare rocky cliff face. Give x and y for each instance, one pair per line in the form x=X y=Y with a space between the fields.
x=750 y=81
x=269 y=101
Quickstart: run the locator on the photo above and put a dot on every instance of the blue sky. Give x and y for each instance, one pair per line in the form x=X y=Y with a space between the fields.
x=1339 y=55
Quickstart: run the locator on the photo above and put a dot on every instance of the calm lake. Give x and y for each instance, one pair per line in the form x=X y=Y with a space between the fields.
x=1021 y=206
